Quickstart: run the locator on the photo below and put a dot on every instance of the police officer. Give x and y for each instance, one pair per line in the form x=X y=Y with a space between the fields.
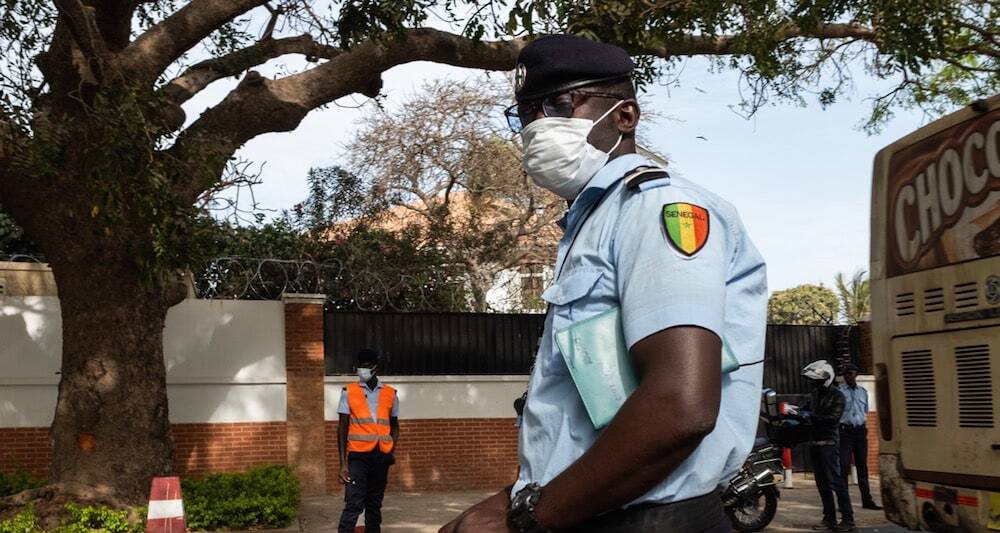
x=854 y=434
x=677 y=262
x=823 y=411
x=366 y=437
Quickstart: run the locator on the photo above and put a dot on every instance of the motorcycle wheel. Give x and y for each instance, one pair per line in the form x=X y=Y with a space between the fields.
x=755 y=512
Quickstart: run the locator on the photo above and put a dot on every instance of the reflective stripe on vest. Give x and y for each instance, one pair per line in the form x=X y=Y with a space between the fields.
x=368 y=438
x=369 y=420
x=365 y=430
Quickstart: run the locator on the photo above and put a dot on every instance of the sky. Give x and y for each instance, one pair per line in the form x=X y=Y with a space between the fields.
x=799 y=176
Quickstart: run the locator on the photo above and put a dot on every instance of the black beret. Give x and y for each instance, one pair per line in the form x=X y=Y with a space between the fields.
x=851 y=367
x=558 y=63
x=366 y=355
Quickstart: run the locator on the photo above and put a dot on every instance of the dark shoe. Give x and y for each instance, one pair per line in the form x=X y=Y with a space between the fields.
x=872 y=505
x=845 y=525
x=824 y=526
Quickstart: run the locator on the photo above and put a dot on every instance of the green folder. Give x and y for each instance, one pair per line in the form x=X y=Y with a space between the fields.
x=598 y=360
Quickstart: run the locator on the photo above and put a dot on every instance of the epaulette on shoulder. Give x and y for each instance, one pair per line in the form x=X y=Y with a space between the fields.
x=642 y=174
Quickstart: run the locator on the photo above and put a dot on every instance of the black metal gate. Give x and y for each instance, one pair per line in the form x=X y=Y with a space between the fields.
x=787 y=349
x=434 y=343
x=491 y=343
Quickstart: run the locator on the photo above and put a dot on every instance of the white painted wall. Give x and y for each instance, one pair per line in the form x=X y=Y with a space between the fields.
x=225 y=361
x=30 y=340
x=443 y=396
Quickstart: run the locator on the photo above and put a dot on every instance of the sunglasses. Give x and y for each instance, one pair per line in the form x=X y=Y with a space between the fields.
x=559 y=105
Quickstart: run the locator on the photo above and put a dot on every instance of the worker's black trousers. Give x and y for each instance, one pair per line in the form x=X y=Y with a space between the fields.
x=830 y=481
x=854 y=443
x=369 y=473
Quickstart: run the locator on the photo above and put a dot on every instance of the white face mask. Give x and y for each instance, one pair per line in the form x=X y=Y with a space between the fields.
x=365 y=374
x=557 y=155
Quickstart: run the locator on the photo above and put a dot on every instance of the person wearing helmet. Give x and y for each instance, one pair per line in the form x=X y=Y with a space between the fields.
x=823 y=411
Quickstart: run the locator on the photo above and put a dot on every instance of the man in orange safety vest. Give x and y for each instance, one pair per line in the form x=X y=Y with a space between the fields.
x=366 y=437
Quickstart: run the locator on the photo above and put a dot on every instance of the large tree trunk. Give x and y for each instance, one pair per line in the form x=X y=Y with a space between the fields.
x=111 y=429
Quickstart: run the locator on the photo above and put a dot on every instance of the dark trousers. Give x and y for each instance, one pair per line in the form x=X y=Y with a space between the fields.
x=829 y=481
x=369 y=473
x=854 y=442
x=703 y=514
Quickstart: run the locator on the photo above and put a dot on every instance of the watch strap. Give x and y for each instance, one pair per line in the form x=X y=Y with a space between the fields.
x=522 y=515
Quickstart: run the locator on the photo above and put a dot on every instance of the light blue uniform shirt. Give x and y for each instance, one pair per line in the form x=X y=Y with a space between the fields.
x=622 y=258
x=856 y=406
x=372 y=396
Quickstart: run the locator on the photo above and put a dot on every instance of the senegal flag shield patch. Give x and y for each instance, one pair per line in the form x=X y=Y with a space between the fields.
x=687 y=227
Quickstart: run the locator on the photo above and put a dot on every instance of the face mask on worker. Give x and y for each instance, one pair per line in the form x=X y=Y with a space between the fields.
x=557 y=155
x=365 y=374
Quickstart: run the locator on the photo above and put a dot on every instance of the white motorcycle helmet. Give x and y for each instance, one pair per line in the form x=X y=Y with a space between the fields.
x=819 y=370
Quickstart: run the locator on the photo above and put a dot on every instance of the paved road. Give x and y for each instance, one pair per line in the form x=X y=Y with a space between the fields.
x=798 y=510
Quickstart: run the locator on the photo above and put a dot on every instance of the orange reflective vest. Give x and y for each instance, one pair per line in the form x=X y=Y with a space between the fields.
x=365 y=430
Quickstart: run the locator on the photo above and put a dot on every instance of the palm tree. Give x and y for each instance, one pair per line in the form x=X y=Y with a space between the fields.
x=855 y=296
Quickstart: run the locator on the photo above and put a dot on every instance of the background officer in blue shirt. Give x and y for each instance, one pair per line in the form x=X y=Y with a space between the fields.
x=678 y=264
x=854 y=434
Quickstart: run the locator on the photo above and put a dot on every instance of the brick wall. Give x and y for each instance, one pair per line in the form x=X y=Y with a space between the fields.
x=872 y=444
x=204 y=448
x=305 y=390
x=435 y=455
x=199 y=448
x=444 y=454
x=25 y=449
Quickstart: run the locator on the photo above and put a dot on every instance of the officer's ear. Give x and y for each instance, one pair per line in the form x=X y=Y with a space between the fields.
x=627 y=116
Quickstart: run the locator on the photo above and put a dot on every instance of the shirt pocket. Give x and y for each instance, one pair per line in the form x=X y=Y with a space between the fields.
x=566 y=298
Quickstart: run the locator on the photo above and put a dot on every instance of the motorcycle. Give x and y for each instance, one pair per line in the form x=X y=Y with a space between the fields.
x=751 y=498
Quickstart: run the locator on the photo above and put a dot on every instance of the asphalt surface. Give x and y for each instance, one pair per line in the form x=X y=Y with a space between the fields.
x=798 y=510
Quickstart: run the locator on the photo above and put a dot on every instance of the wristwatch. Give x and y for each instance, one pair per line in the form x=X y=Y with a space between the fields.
x=522 y=510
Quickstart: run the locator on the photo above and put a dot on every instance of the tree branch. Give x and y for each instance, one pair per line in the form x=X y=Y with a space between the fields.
x=725 y=44
x=203 y=74
x=164 y=43
x=260 y=105
x=275 y=15
x=83 y=26
x=983 y=32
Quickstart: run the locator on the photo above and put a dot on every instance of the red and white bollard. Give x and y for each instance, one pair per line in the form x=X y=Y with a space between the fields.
x=786 y=453
x=786 y=460
x=166 y=508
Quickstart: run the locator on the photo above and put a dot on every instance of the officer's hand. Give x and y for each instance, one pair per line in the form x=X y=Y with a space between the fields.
x=487 y=516
x=345 y=475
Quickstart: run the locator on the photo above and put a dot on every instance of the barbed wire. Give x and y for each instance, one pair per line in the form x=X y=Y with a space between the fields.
x=346 y=288
x=22 y=258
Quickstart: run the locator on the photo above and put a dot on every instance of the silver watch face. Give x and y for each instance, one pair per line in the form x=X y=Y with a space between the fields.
x=524 y=505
